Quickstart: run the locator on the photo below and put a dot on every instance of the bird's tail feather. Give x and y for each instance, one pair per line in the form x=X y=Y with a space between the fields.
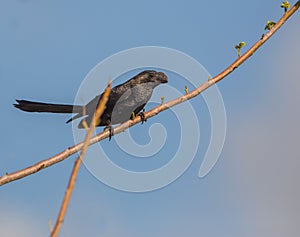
x=31 y=106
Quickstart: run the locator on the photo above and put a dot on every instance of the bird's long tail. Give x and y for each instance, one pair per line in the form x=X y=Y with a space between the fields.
x=31 y=106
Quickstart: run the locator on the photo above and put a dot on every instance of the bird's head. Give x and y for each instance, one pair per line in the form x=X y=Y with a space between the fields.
x=150 y=76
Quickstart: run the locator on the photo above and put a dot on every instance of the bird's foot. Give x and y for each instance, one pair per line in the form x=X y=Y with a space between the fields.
x=111 y=131
x=142 y=115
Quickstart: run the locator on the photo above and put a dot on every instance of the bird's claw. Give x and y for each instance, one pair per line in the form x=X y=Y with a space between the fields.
x=111 y=131
x=142 y=115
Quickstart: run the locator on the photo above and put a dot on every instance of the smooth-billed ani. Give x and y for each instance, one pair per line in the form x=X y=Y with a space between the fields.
x=124 y=99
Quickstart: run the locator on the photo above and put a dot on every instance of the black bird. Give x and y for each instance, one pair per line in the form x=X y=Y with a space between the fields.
x=124 y=99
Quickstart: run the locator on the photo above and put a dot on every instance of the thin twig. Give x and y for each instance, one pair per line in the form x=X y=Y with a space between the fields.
x=78 y=162
x=71 y=150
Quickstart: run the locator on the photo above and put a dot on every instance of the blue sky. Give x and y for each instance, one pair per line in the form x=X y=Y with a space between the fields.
x=48 y=47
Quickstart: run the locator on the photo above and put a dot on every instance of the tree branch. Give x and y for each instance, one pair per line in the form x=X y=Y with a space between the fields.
x=99 y=111
x=71 y=150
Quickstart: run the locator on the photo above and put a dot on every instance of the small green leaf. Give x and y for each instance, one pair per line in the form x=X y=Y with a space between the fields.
x=162 y=99
x=270 y=25
x=286 y=5
x=132 y=117
x=242 y=44
x=239 y=46
x=186 y=89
